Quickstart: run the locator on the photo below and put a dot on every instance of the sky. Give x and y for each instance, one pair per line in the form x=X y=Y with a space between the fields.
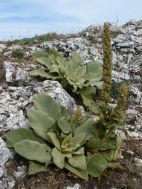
x=26 y=18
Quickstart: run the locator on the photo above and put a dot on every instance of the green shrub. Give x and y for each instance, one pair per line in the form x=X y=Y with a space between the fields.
x=39 y=39
x=18 y=54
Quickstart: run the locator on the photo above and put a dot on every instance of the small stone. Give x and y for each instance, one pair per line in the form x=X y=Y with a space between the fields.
x=138 y=162
x=20 y=172
x=5 y=153
x=1 y=171
x=76 y=186
x=10 y=71
x=131 y=114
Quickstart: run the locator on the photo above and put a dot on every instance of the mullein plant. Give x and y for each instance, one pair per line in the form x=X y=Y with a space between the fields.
x=75 y=142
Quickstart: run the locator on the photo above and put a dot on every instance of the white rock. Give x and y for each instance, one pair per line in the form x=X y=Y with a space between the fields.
x=21 y=75
x=2 y=47
x=20 y=172
x=3 y=184
x=10 y=182
x=131 y=114
x=137 y=93
x=10 y=71
x=138 y=162
x=76 y=186
x=14 y=47
x=1 y=171
x=5 y=153
x=119 y=76
x=55 y=90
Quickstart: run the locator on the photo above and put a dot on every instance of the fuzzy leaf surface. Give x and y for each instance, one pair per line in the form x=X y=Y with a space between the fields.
x=88 y=127
x=80 y=173
x=40 y=122
x=78 y=161
x=39 y=54
x=36 y=167
x=53 y=137
x=42 y=73
x=47 y=104
x=96 y=164
x=64 y=125
x=33 y=150
x=17 y=135
x=58 y=158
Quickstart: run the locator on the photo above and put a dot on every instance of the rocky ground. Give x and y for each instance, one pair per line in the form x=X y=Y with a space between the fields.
x=17 y=88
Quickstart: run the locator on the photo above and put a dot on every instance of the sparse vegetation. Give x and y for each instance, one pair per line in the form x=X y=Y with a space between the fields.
x=114 y=34
x=39 y=39
x=115 y=88
x=18 y=54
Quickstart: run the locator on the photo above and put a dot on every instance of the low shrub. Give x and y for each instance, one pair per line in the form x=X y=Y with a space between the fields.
x=17 y=53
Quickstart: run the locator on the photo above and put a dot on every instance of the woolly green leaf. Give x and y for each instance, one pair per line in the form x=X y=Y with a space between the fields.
x=64 y=125
x=94 y=142
x=50 y=63
x=70 y=144
x=102 y=145
x=94 y=72
x=42 y=73
x=75 y=62
x=65 y=113
x=53 y=137
x=88 y=127
x=43 y=61
x=78 y=161
x=66 y=142
x=77 y=140
x=80 y=173
x=108 y=144
x=97 y=84
x=61 y=61
x=77 y=74
x=40 y=122
x=58 y=158
x=33 y=150
x=79 y=151
x=17 y=135
x=47 y=104
x=54 y=52
x=88 y=91
x=87 y=95
x=90 y=103
x=96 y=164
x=75 y=84
x=39 y=54
x=116 y=153
x=75 y=70
x=36 y=167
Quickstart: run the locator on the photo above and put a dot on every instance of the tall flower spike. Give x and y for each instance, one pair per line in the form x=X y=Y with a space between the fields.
x=107 y=64
x=107 y=73
x=118 y=112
